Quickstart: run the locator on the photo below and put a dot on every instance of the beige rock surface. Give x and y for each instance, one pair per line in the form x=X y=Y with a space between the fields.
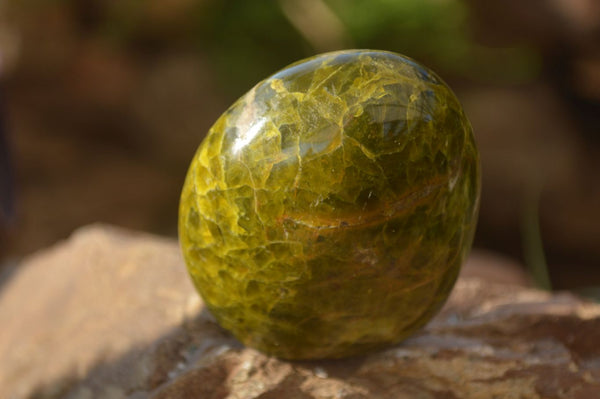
x=112 y=314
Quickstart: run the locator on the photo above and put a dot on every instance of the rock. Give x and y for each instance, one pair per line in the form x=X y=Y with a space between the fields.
x=112 y=314
x=98 y=298
x=294 y=194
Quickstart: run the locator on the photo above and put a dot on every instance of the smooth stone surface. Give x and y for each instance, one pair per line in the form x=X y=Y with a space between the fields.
x=110 y=314
x=328 y=211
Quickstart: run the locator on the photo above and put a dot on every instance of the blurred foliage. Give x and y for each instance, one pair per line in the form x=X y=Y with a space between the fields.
x=246 y=41
x=436 y=32
x=591 y=293
x=533 y=245
x=433 y=29
x=249 y=40
x=133 y=67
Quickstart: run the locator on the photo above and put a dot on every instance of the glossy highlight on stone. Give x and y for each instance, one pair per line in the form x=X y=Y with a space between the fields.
x=328 y=211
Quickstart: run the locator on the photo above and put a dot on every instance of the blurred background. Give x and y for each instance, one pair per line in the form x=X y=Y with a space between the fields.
x=103 y=103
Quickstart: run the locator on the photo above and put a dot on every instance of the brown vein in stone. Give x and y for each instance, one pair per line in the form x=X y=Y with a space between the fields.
x=403 y=206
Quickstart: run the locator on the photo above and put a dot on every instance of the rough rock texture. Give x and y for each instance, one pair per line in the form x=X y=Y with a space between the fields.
x=111 y=314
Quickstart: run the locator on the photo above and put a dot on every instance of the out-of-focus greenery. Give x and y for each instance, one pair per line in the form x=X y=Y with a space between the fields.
x=435 y=31
x=432 y=29
x=591 y=293
x=533 y=245
x=249 y=40
x=246 y=41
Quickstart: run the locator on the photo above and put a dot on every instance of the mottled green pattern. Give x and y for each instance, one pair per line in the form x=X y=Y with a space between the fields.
x=328 y=211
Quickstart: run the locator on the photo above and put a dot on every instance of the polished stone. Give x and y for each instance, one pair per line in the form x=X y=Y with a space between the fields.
x=328 y=211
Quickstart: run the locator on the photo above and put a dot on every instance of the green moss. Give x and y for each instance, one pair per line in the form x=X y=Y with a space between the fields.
x=328 y=211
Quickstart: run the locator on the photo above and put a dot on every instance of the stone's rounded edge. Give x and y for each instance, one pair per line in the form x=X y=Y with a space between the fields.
x=427 y=73
x=206 y=159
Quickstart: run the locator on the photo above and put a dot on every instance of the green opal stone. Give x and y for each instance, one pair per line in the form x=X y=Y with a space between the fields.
x=328 y=211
